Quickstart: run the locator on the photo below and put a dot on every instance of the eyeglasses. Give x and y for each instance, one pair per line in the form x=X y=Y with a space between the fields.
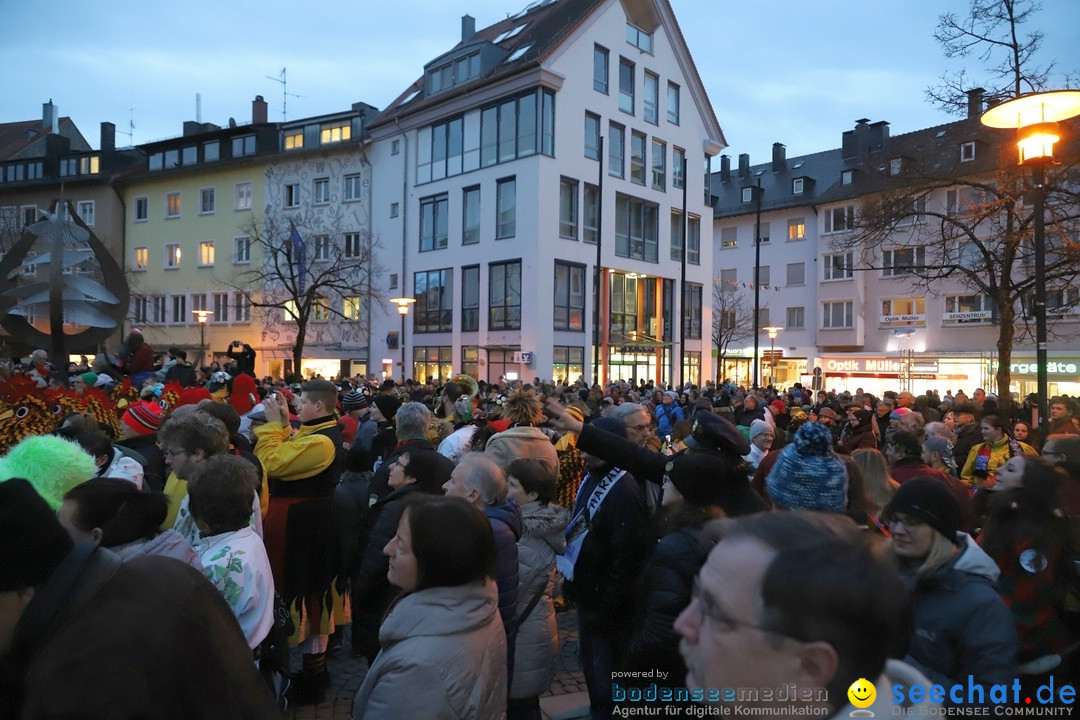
x=906 y=520
x=173 y=453
x=708 y=607
x=639 y=428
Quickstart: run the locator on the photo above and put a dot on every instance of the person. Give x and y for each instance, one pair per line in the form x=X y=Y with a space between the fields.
x=531 y=484
x=1064 y=452
x=1063 y=416
x=607 y=543
x=443 y=647
x=523 y=438
x=879 y=485
x=232 y=554
x=244 y=355
x=419 y=470
x=74 y=621
x=860 y=432
x=138 y=432
x=982 y=461
x=808 y=474
x=798 y=599
x=761 y=440
x=667 y=414
x=137 y=358
x=117 y=515
x=938 y=454
x=967 y=429
x=182 y=371
x=1029 y=540
x=961 y=626
x=1022 y=432
x=905 y=456
x=112 y=460
x=299 y=530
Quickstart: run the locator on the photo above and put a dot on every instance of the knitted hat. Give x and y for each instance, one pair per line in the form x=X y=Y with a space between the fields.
x=757 y=427
x=699 y=479
x=928 y=500
x=354 y=400
x=808 y=475
x=576 y=413
x=32 y=542
x=863 y=416
x=388 y=405
x=672 y=394
x=778 y=406
x=899 y=413
x=90 y=378
x=52 y=464
x=192 y=396
x=143 y=417
x=244 y=395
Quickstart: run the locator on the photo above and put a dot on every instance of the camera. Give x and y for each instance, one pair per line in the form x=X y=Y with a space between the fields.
x=237 y=343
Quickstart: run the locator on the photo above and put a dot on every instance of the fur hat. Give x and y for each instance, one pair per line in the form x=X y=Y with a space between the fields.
x=51 y=464
x=32 y=542
x=143 y=417
x=928 y=500
x=808 y=475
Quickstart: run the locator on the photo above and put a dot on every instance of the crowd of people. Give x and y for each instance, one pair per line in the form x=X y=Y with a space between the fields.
x=712 y=537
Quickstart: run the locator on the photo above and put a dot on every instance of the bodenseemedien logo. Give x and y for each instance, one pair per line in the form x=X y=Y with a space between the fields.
x=970 y=698
x=862 y=694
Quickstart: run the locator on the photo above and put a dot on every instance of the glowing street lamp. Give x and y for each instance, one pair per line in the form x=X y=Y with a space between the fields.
x=202 y=316
x=773 y=331
x=1035 y=118
x=403 y=304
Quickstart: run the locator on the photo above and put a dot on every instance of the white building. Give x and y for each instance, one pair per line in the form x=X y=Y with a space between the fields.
x=500 y=169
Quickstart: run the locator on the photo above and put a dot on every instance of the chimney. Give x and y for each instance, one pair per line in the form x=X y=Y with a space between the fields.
x=258 y=110
x=725 y=168
x=879 y=136
x=779 y=157
x=108 y=137
x=744 y=165
x=468 y=27
x=975 y=103
x=50 y=117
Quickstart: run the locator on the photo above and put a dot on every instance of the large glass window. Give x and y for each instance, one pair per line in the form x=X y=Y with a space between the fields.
x=590 y=217
x=470 y=298
x=636 y=228
x=637 y=157
x=616 y=150
x=652 y=98
x=626 y=86
x=624 y=304
x=434 y=222
x=517 y=128
x=434 y=291
x=836 y=315
x=592 y=136
x=569 y=296
x=691 y=311
x=504 y=296
x=568 y=208
x=432 y=363
x=567 y=362
x=470 y=216
x=600 y=69
x=506 y=208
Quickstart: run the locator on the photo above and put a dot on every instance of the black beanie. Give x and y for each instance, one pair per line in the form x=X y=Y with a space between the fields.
x=32 y=541
x=928 y=500
x=388 y=405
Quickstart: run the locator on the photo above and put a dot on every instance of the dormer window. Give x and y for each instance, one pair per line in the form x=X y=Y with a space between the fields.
x=894 y=166
x=747 y=194
x=639 y=38
x=798 y=186
x=967 y=151
x=847 y=177
x=454 y=72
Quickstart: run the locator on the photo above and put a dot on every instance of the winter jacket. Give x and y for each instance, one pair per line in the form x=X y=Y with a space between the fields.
x=961 y=625
x=862 y=437
x=967 y=437
x=537 y=642
x=522 y=441
x=443 y=658
x=505 y=522
x=996 y=455
x=666 y=417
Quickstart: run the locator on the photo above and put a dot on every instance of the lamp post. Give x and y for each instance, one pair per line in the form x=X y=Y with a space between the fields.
x=758 y=192
x=1035 y=118
x=403 y=304
x=202 y=316
x=773 y=331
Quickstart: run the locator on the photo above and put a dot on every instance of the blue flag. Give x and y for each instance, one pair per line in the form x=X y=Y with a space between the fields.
x=299 y=253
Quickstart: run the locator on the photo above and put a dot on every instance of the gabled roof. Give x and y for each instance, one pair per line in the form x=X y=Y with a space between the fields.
x=17 y=137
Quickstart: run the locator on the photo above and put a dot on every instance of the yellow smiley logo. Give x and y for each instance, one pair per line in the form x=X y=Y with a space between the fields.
x=862 y=693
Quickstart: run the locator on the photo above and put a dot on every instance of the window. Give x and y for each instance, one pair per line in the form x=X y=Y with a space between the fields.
x=86 y=212
x=140 y=307
x=729 y=280
x=838 y=219
x=211 y=151
x=434 y=228
x=322 y=191
x=590 y=219
x=592 y=136
x=292 y=195
x=1062 y=302
x=206 y=201
x=567 y=362
x=395 y=147
x=691 y=311
x=796 y=273
x=616 y=150
x=352 y=307
x=569 y=296
x=241 y=308
x=142 y=209
x=434 y=292
x=839 y=266
x=902 y=261
x=320 y=309
x=322 y=248
x=914 y=212
x=659 y=165
x=626 y=86
x=902 y=312
x=747 y=194
x=470 y=216
x=967 y=310
x=335 y=132
x=763 y=317
x=693 y=239
x=636 y=228
x=243 y=145
x=895 y=166
x=796 y=318
x=189 y=155
x=393 y=281
x=796 y=229
x=172 y=256
x=600 y=69
x=764 y=276
x=470 y=298
x=206 y=253
x=729 y=238
x=504 y=296
x=624 y=304
x=353 y=187
x=506 y=208
x=241 y=250
x=652 y=98
x=198 y=303
x=678 y=167
x=221 y=308
x=294 y=139
x=637 y=158
x=354 y=247
x=447 y=151
x=673 y=103
x=433 y=362
x=514 y=128
x=179 y=314
x=798 y=186
x=639 y=38
x=159 y=306
x=142 y=258
x=836 y=315
x=763 y=232
x=967 y=151
x=172 y=205
x=568 y=208
x=847 y=177
x=242 y=196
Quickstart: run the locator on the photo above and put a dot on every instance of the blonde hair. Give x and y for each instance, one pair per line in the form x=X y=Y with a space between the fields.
x=523 y=407
x=941 y=551
x=877 y=483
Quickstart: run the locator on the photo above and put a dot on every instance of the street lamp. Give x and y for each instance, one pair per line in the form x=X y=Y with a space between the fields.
x=1036 y=117
x=202 y=316
x=403 y=304
x=773 y=331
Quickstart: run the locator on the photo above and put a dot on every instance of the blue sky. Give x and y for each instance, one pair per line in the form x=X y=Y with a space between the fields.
x=798 y=72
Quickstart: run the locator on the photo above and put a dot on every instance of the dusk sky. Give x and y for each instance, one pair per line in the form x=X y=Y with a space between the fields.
x=790 y=71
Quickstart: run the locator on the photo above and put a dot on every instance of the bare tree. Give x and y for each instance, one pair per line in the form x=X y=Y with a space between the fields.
x=308 y=276
x=991 y=32
x=733 y=317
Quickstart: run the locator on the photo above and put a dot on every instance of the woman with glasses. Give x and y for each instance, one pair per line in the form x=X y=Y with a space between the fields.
x=961 y=626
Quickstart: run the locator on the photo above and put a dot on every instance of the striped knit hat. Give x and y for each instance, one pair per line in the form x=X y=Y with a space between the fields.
x=143 y=417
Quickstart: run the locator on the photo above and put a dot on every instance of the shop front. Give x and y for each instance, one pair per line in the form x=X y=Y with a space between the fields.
x=914 y=372
x=1062 y=373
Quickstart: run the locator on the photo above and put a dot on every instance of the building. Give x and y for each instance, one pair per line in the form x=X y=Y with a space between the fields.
x=508 y=173
x=868 y=267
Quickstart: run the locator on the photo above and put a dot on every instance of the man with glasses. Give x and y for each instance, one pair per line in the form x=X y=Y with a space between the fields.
x=799 y=602
x=639 y=430
x=186 y=439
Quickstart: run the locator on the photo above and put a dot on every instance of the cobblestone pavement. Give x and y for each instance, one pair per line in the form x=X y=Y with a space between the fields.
x=563 y=701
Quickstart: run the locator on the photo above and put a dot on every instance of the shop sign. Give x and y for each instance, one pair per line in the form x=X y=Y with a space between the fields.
x=1070 y=366
x=903 y=319
x=965 y=316
x=861 y=365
